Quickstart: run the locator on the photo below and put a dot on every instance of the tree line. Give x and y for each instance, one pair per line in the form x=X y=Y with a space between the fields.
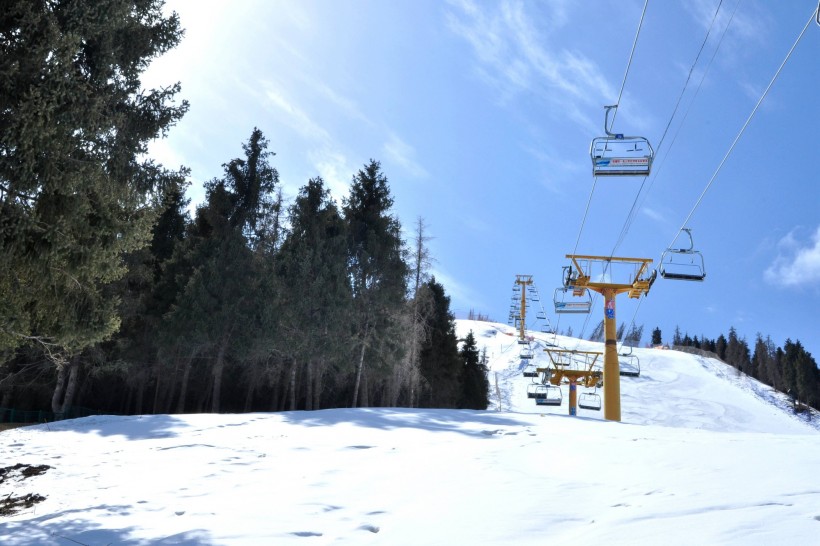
x=789 y=369
x=113 y=297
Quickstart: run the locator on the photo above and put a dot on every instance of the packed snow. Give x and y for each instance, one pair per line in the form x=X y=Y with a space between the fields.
x=702 y=456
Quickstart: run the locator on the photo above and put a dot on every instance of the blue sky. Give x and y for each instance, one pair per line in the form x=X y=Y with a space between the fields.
x=482 y=114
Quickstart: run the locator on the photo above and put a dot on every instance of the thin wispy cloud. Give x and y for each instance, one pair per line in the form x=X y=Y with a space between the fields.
x=515 y=56
x=797 y=264
x=402 y=153
x=294 y=116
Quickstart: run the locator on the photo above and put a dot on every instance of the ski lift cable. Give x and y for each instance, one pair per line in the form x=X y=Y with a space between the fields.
x=814 y=15
x=692 y=101
x=743 y=128
x=615 y=114
x=633 y=211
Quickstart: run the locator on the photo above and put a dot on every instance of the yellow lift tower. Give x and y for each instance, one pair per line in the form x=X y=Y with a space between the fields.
x=574 y=367
x=598 y=273
x=522 y=284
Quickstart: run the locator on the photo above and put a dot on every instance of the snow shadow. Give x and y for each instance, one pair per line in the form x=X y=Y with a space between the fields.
x=45 y=532
x=133 y=427
x=472 y=423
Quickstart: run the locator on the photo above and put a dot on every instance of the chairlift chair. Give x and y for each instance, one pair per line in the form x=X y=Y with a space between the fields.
x=590 y=401
x=548 y=395
x=619 y=155
x=540 y=315
x=575 y=304
x=526 y=354
x=683 y=264
x=629 y=364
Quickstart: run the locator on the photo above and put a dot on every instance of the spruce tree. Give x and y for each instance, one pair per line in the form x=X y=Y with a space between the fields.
x=316 y=295
x=476 y=389
x=378 y=271
x=76 y=192
x=440 y=364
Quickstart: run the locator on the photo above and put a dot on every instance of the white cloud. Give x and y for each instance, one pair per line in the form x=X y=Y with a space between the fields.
x=515 y=56
x=653 y=214
x=462 y=297
x=797 y=264
x=403 y=154
x=335 y=170
x=296 y=118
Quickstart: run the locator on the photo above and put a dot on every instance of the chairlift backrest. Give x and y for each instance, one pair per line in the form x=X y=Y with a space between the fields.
x=619 y=155
x=566 y=301
x=683 y=264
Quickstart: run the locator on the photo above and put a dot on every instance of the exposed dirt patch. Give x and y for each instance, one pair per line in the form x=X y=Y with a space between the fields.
x=9 y=504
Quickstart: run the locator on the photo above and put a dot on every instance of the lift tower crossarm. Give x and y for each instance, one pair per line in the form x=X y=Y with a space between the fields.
x=637 y=286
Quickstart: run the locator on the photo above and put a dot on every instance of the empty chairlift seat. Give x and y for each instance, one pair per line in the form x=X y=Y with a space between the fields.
x=619 y=155
x=566 y=301
x=683 y=264
x=548 y=395
x=589 y=401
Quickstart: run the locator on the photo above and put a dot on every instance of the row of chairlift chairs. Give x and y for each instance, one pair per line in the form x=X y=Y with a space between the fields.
x=535 y=298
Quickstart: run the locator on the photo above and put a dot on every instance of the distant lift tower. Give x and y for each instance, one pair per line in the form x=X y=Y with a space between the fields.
x=522 y=284
x=598 y=273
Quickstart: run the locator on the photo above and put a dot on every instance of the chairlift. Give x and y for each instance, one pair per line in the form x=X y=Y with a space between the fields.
x=590 y=401
x=575 y=304
x=548 y=395
x=619 y=155
x=683 y=264
x=540 y=315
x=526 y=354
x=523 y=341
x=629 y=364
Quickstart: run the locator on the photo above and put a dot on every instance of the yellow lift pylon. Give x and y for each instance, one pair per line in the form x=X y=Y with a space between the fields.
x=638 y=284
x=523 y=282
x=565 y=364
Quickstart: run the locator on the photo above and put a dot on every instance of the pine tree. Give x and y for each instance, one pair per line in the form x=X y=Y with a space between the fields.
x=316 y=296
x=220 y=310
x=476 y=383
x=378 y=271
x=75 y=194
x=656 y=336
x=441 y=365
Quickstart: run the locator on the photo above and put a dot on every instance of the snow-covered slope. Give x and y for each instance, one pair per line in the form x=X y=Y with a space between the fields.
x=673 y=389
x=701 y=457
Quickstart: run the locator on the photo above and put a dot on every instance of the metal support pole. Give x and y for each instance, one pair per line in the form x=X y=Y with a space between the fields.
x=612 y=376
x=573 y=397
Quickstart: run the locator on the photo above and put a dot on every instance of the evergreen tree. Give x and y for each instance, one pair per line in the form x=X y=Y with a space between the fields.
x=656 y=336
x=676 y=337
x=441 y=365
x=476 y=383
x=720 y=347
x=75 y=194
x=316 y=297
x=219 y=310
x=378 y=271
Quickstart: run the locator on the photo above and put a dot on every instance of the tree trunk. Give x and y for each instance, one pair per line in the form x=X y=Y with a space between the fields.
x=293 y=386
x=57 y=396
x=71 y=388
x=219 y=368
x=140 y=392
x=309 y=385
x=358 y=383
x=186 y=376
x=317 y=387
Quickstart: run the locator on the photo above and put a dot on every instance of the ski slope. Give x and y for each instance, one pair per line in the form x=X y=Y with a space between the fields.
x=702 y=457
x=674 y=389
